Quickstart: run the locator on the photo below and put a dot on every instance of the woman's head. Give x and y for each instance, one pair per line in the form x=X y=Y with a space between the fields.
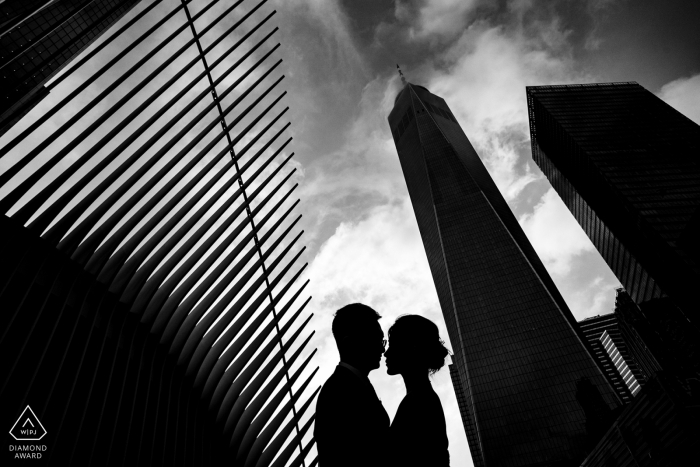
x=414 y=344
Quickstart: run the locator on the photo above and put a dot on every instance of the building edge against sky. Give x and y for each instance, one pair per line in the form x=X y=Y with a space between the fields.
x=41 y=37
x=625 y=164
x=528 y=387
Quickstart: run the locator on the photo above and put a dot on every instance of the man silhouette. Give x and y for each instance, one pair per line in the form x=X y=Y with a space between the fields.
x=351 y=423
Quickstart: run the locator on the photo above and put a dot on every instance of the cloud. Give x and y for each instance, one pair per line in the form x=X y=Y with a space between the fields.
x=594 y=298
x=443 y=18
x=577 y=269
x=360 y=173
x=376 y=260
x=504 y=155
x=488 y=69
x=322 y=27
x=555 y=234
x=482 y=77
x=684 y=95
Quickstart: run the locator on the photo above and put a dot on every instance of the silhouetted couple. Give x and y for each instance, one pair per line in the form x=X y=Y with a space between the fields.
x=352 y=428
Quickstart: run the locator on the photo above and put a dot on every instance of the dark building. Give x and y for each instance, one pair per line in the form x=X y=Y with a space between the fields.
x=659 y=428
x=625 y=164
x=657 y=341
x=639 y=336
x=529 y=390
x=149 y=323
x=604 y=337
x=38 y=38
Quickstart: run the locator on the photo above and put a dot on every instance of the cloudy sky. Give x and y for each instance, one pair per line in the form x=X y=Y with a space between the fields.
x=340 y=57
x=362 y=237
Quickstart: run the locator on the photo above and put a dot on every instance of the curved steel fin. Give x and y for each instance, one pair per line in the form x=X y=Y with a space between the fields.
x=256 y=450
x=226 y=349
x=266 y=460
x=236 y=399
x=247 y=429
x=228 y=387
x=150 y=300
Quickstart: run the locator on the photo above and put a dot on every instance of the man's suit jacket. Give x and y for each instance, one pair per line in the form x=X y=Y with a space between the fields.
x=351 y=426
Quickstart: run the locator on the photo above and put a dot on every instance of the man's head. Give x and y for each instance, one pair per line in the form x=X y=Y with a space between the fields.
x=359 y=337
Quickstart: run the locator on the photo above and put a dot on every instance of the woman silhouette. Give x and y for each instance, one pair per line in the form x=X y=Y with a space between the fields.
x=417 y=436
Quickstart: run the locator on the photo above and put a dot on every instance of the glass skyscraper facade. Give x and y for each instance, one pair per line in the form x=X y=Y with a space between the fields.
x=40 y=37
x=530 y=391
x=625 y=164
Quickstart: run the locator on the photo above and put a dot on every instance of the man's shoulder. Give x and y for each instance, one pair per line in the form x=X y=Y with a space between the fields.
x=351 y=423
x=340 y=382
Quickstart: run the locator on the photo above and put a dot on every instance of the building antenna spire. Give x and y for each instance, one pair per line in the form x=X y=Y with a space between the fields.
x=403 y=78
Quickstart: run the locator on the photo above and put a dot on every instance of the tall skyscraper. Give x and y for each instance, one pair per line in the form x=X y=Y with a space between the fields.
x=529 y=390
x=625 y=164
x=38 y=38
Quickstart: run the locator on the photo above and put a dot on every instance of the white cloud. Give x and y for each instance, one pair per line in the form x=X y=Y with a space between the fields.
x=490 y=67
x=555 y=234
x=484 y=85
x=328 y=18
x=577 y=269
x=593 y=299
x=501 y=159
x=361 y=173
x=375 y=260
x=443 y=18
x=684 y=95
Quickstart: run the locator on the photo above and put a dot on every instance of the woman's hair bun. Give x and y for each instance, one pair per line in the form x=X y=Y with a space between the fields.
x=436 y=356
x=425 y=336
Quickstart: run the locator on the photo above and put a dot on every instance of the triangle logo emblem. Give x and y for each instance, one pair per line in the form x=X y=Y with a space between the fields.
x=27 y=427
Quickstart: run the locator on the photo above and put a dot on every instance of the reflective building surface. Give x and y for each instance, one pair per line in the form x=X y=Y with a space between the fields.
x=530 y=392
x=625 y=164
x=40 y=37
